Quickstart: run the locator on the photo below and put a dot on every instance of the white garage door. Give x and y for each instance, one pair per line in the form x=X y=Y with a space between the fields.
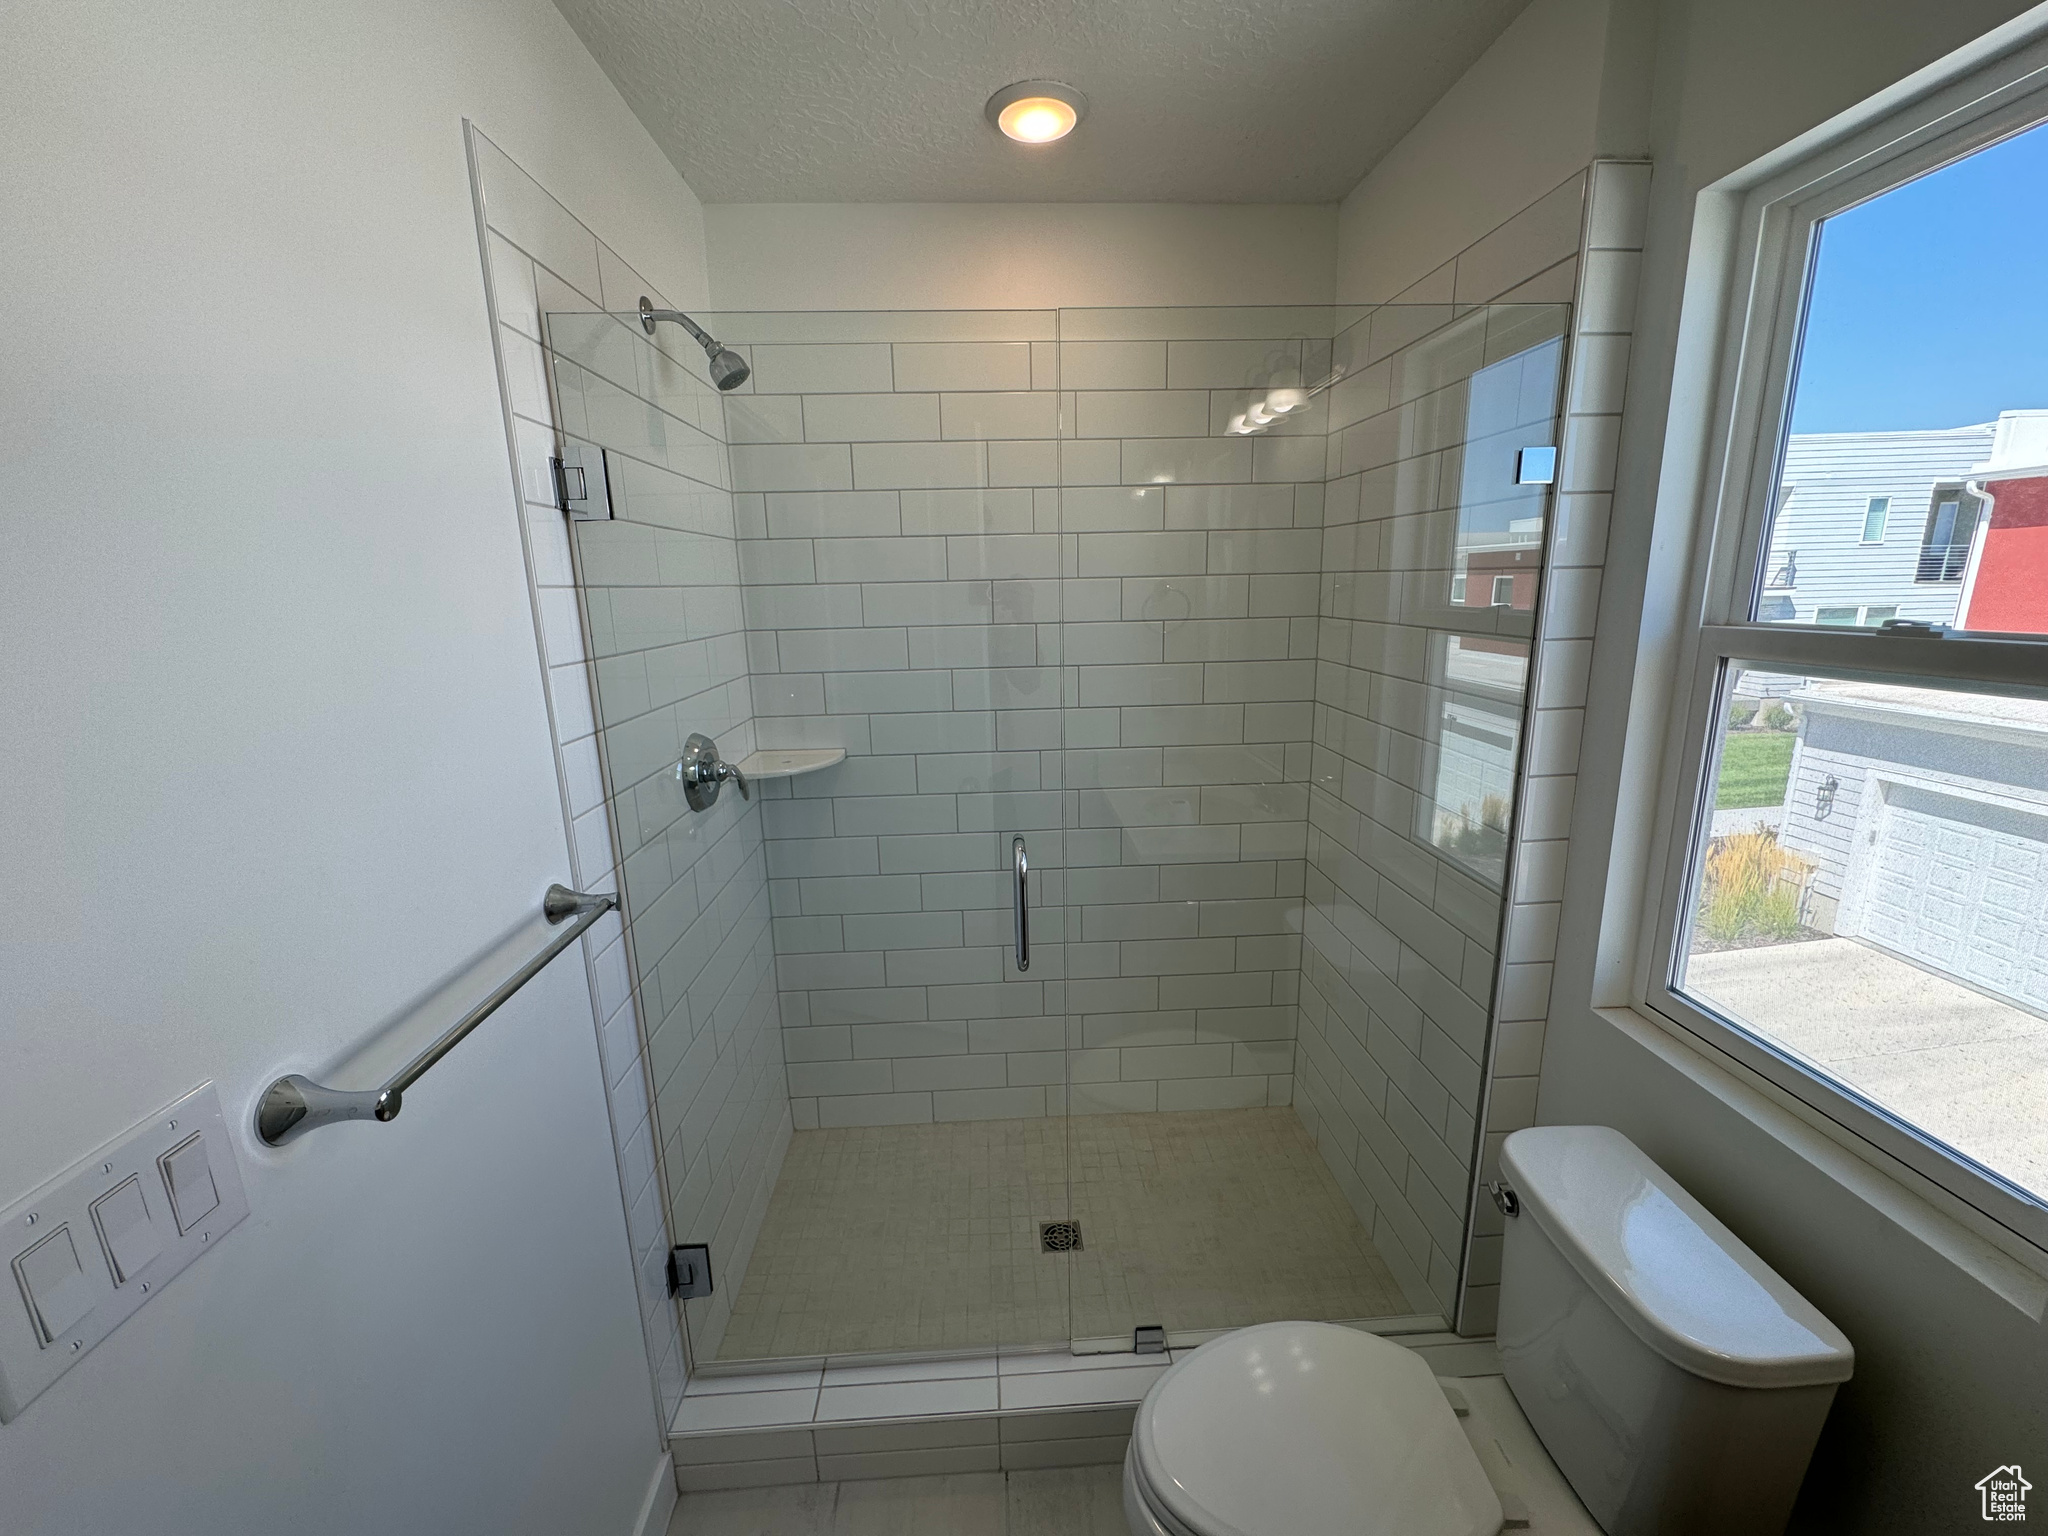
x=1962 y=887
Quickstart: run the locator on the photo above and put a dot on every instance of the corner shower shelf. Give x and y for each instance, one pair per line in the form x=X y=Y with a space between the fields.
x=788 y=762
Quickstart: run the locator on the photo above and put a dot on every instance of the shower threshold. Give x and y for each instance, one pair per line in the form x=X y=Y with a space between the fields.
x=752 y=1423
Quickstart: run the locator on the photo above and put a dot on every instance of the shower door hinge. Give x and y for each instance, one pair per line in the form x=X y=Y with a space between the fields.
x=689 y=1271
x=1148 y=1340
x=583 y=486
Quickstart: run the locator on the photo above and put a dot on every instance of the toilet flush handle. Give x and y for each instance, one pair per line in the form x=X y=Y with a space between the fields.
x=1504 y=1198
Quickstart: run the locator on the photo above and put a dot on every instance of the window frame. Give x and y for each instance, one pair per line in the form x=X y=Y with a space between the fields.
x=1879 y=507
x=1775 y=254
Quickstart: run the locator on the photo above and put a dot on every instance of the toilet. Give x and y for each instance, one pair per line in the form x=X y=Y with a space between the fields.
x=1674 y=1380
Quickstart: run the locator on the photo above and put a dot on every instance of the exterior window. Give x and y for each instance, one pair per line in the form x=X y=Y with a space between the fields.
x=1856 y=904
x=1458 y=591
x=1503 y=591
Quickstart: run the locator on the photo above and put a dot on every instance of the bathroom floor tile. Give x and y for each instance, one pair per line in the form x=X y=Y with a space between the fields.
x=799 y=1509
x=1063 y=1501
x=1068 y=1501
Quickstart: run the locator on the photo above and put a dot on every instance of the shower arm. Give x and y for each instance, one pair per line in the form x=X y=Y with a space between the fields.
x=649 y=315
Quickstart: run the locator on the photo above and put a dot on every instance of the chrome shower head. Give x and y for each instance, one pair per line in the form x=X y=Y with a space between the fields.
x=727 y=368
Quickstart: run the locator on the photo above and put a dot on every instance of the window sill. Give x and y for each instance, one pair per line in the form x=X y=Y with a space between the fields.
x=1998 y=1259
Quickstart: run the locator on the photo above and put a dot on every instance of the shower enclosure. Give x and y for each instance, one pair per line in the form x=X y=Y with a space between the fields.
x=1219 y=621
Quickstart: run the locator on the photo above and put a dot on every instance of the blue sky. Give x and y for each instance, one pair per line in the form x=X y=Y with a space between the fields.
x=1930 y=303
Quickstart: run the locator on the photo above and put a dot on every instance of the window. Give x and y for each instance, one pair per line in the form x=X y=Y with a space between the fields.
x=1854 y=899
x=1503 y=591
x=1458 y=591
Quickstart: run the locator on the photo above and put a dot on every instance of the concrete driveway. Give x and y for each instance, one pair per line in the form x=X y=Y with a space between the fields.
x=1966 y=1068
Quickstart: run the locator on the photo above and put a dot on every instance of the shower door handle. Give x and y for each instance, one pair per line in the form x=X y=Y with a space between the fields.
x=1023 y=902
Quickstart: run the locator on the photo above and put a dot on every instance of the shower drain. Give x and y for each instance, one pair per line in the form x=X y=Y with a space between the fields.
x=1060 y=1236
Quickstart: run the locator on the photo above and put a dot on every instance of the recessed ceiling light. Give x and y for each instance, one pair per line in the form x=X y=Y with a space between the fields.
x=1036 y=111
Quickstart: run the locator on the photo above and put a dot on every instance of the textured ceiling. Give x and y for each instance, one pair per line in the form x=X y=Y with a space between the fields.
x=881 y=100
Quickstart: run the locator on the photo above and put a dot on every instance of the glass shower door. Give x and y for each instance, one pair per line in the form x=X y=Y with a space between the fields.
x=1290 y=749
x=894 y=507
x=1190 y=653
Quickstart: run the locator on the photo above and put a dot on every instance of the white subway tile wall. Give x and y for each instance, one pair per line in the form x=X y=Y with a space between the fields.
x=655 y=648
x=925 y=524
x=900 y=560
x=1431 y=564
x=1190 y=604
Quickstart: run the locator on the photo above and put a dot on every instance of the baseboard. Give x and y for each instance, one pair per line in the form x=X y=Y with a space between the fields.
x=660 y=1503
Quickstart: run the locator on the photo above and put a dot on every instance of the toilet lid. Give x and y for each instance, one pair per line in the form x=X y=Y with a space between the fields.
x=1310 y=1429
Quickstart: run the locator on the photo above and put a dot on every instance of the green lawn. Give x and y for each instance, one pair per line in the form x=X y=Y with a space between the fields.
x=1754 y=768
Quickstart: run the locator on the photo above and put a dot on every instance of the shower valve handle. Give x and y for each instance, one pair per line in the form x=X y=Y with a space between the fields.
x=702 y=772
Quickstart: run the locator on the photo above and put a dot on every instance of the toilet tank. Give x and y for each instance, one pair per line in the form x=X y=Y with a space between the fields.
x=1675 y=1379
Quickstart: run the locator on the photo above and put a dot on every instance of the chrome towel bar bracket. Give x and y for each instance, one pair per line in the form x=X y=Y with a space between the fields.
x=294 y=1105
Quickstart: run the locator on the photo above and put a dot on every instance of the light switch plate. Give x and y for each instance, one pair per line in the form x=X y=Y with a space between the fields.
x=116 y=1209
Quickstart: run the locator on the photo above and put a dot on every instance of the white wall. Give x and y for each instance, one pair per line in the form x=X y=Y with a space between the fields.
x=278 y=759
x=1948 y=1371
x=1526 y=116
x=1017 y=255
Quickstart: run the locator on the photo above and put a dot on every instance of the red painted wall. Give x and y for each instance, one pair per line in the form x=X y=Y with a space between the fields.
x=2011 y=590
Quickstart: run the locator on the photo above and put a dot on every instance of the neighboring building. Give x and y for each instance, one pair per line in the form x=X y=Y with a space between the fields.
x=1874 y=526
x=1944 y=527
x=1925 y=815
x=1922 y=813
x=1498 y=568
x=2005 y=586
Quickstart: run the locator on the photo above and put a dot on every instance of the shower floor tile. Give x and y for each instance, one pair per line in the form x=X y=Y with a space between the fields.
x=925 y=1237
